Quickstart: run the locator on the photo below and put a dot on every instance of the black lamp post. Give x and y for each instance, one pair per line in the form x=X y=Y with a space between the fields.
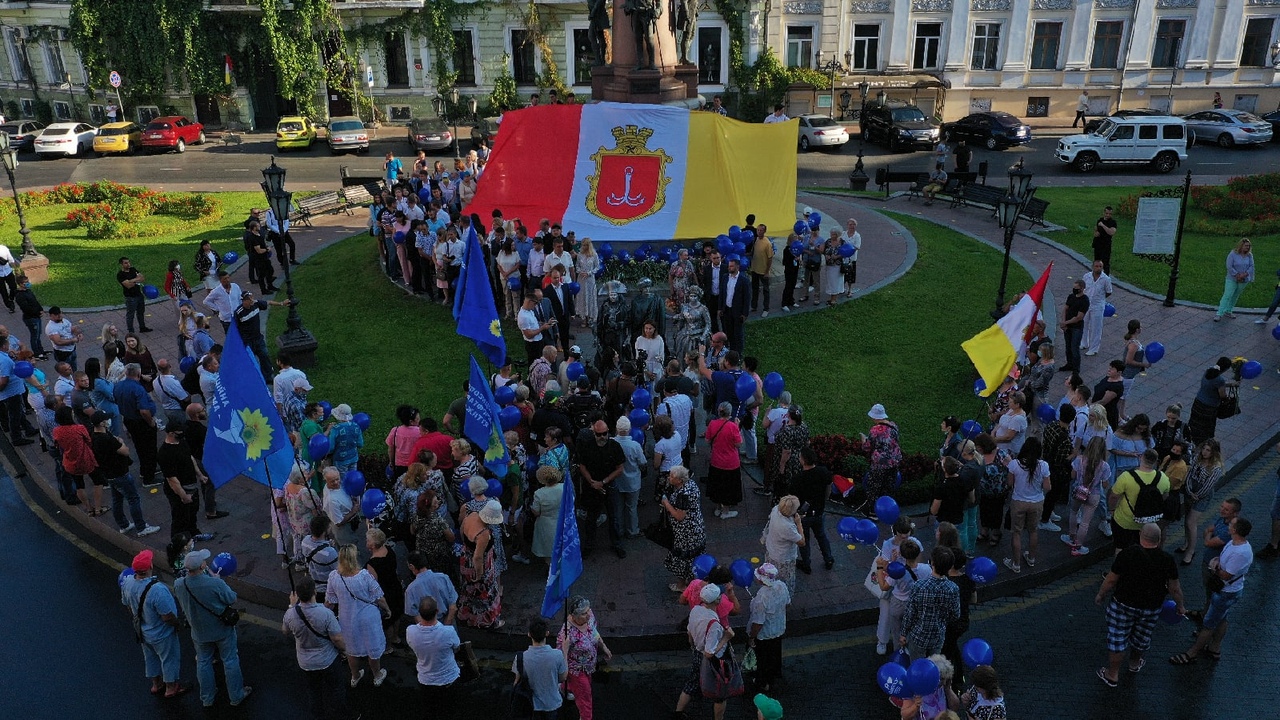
x=858 y=178
x=1007 y=210
x=10 y=157
x=447 y=110
x=296 y=340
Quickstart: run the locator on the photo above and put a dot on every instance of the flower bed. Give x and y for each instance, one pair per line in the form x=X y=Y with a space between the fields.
x=851 y=457
x=1248 y=205
x=112 y=210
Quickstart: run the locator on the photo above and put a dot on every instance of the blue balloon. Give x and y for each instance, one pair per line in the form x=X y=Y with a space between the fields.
x=574 y=288
x=1109 y=310
x=638 y=435
x=896 y=570
x=977 y=651
x=398 y=237
x=971 y=429
x=1168 y=613
x=1275 y=332
x=24 y=369
x=743 y=573
x=465 y=491
x=745 y=387
x=494 y=490
x=1251 y=370
x=733 y=231
x=224 y=564
x=624 y=256
x=605 y=250
x=230 y=258
x=845 y=250
x=815 y=220
x=504 y=395
x=641 y=398
x=979 y=386
x=574 y=371
x=1154 y=352
x=509 y=417
x=513 y=282
x=799 y=227
x=796 y=247
x=639 y=418
x=1046 y=413
x=901 y=657
x=125 y=573
x=887 y=509
x=892 y=679
x=362 y=420
x=982 y=570
x=866 y=532
x=373 y=503
x=319 y=446
x=739 y=248
x=847 y=528
x=733 y=257
x=353 y=483
x=185 y=364
x=600 y=270
x=327 y=407
x=703 y=565
x=922 y=677
x=641 y=255
x=774 y=385
x=151 y=291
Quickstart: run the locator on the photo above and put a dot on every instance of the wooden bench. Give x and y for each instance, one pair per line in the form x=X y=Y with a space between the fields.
x=885 y=178
x=318 y=204
x=1033 y=210
x=361 y=195
x=983 y=195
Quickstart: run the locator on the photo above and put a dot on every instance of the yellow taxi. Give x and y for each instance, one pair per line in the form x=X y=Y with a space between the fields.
x=117 y=137
x=294 y=131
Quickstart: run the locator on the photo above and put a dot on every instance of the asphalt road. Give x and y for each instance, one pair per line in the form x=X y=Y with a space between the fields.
x=215 y=166
x=71 y=652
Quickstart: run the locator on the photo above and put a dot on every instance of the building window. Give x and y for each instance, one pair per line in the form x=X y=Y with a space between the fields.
x=986 y=46
x=394 y=54
x=523 y=66
x=13 y=44
x=800 y=46
x=1106 y=45
x=1037 y=107
x=53 y=61
x=97 y=114
x=583 y=56
x=1168 y=43
x=1257 y=36
x=928 y=43
x=61 y=110
x=866 y=47
x=464 y=57
x=710 y=51
x=28 y=108
x=1044 y=46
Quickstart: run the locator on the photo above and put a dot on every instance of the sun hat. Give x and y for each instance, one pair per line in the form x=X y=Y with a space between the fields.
x=767 y=574
x=876 y=413
x=491 y=513
x=342 y=413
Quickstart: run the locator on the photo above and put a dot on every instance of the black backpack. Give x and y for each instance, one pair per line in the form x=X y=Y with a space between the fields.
x=1150 y=505
x=191 y=380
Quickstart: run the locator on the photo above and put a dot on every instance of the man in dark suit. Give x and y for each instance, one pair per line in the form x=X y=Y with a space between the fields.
x=711 y=279
x=735 y=298
x=561 y=301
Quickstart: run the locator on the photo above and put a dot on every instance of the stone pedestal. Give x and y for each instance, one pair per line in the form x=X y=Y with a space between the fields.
x=688 y=76
x=620 y=81
x=301 y=346
x=35 y=268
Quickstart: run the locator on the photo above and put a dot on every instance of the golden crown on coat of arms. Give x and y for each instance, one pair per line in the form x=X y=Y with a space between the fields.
x=632 y=139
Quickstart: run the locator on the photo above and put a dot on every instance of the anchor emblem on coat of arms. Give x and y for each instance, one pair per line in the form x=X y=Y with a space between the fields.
x=630 y=180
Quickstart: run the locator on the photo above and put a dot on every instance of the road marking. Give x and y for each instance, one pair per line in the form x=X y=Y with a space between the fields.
x=1205 y=163
x=238 y=170
x=172 y=169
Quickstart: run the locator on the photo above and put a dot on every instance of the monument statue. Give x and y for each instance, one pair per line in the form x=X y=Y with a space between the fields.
x=696 y=328
x=644 y=26
x=598 y=13
x=647 y=307
x=613 y=326
x=684 y=23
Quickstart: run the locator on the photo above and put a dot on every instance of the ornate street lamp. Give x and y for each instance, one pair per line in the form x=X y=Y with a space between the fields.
x=858 y=178
x=1007 y=211
x=34 y=265
x=296 y=340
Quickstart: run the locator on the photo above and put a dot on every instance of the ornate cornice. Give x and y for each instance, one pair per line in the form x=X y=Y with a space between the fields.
x=930 y=5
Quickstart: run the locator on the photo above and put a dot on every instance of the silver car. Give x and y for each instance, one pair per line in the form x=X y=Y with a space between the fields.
x=821 y=131
x=348 y=133
x=1228 y=127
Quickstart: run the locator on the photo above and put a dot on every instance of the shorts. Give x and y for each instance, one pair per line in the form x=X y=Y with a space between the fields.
x=1219 y=604
x=1025 y=515
x=1129 y=628
x=1128 y=385
x=1122 y=538
x=933 y=188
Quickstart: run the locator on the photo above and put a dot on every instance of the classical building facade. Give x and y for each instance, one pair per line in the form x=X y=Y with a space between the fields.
x=1031 y=58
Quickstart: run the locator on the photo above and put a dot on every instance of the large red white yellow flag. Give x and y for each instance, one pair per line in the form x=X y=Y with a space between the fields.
x=621 y=171
x=994 y=351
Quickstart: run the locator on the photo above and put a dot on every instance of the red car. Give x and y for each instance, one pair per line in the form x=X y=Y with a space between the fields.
x=173 y=132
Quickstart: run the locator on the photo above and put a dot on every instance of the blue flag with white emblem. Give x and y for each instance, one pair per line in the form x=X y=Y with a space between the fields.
x=473 y=304
x=481 y=424
x=566 y=555
x=246 y=436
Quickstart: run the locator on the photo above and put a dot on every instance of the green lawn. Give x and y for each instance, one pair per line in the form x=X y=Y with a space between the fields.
x=1203 y=264
x=899 y=346
x=82 y=272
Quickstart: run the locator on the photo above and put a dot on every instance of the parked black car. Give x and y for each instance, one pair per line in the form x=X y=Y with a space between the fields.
x=485 y=129
x=1273 y=117
x=992 y=130
x=1095 y=123
x=898 y=125
x=22 y=134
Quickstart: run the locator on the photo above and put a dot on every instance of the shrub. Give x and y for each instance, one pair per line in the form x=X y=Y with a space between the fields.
x=112 y=210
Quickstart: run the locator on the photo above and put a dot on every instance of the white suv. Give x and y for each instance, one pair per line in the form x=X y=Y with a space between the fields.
x=1159 y=140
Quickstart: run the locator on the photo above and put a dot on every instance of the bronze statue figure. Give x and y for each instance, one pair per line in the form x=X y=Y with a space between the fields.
x=598 y=14
x=684 y=24
x=644 y=25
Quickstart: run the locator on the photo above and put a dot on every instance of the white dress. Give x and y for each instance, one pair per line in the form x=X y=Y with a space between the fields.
x=358 y=613
x=586 y=302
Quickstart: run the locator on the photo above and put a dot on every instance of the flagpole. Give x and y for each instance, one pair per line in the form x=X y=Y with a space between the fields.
x=276 y=512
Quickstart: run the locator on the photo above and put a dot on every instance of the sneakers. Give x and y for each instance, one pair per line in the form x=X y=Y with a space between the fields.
x=881 y=648
x=1260 y=321
x=1055 y=517
x=377 y=679
x=520 y=559
x=1050 y=526
x=202 y=537
x=764 y=314
x=1079 y=550
x=248 y=690
x=149 y=530
x=729 y=515
x=1009 y=563
x=786 y=308
x=129 y=529
x=1064 y=537
x=1106 y=529
x=155 y=481
x=1030 y=560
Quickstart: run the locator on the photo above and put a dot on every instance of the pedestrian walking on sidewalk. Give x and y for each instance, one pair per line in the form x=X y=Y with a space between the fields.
x=155 y=626
x=204 y=599
x=1239 y=274
x=1141 y=577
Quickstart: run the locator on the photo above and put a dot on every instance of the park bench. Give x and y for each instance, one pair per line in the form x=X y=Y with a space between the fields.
x=318 y=204
x=1033 y=209
x=983 y=195
x=360 y=195
x=886 y=177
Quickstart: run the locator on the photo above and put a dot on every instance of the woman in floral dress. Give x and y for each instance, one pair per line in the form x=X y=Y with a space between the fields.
x=300 y=506
x=584 y=270
x=480 y=598
x=581 y=643
x=681 y=276
x=433 y=538
x=684 y=505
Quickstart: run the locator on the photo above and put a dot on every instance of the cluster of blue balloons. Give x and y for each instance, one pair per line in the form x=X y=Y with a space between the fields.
x=862 y=531
x=920 y=678
x=741 y=570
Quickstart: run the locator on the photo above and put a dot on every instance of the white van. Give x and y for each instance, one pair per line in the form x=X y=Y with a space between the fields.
x=1160 y=140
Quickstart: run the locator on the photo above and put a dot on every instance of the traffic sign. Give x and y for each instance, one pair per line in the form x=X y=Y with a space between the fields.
x=114 y=78
x=368 y=76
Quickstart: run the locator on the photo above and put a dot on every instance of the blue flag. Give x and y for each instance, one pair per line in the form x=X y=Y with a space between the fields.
x=473 y=304
x=482 y=425
x=246 y=436
x=566 y=555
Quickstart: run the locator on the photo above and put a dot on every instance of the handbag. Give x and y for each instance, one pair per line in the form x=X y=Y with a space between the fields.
x=872 y=586
x=1229 y=406
x=720 y=678
x=1082 y=493
x=521 y=692
x=465 y=656
x=229 y=616
x=660 y=531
